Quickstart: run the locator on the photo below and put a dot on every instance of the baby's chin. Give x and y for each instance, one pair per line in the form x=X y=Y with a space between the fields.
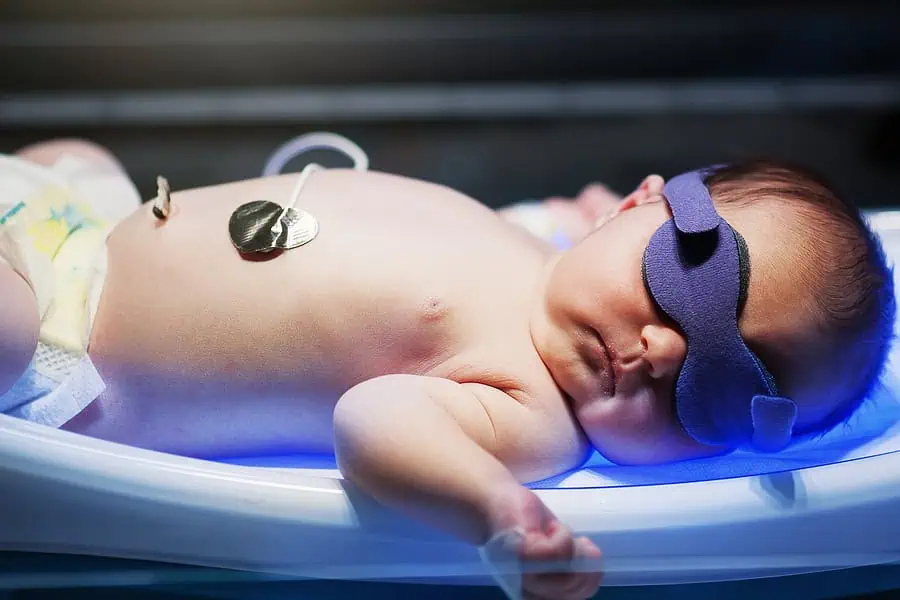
x=568 y=384
x=592 y=391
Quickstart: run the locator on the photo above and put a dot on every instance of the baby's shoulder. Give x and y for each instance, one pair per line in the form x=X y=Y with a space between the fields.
x=529 y=408
x=554 y=436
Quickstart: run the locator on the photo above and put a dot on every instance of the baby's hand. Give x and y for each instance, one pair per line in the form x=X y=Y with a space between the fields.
x=592 y=202
x=537 y=536
x=566 y=221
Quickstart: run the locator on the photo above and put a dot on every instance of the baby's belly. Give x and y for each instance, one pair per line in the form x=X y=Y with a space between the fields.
x=209 y=354
x=352 y=304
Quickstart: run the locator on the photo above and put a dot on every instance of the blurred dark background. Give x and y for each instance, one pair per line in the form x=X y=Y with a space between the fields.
x=503 y=100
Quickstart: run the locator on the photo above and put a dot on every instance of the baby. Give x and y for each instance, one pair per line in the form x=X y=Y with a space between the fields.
x=443 y=354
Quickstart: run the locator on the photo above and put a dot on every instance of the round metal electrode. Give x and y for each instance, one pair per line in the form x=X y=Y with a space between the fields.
x=263 y=226
x=298 y=228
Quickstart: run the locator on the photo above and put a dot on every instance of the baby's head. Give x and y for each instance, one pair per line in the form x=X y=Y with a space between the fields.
x=816 y=309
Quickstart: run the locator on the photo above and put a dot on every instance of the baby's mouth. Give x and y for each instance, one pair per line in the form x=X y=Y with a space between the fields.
x=607 y=373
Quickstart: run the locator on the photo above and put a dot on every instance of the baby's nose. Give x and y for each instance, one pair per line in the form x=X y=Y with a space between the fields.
x=664 y=350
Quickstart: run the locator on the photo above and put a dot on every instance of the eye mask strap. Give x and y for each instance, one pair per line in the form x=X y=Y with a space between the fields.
x=773 y=422
x=692 y=207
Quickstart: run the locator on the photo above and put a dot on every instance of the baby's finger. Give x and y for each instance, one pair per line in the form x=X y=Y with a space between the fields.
x=554 y=543
x=588 y=585
x=562 y=586
x=569 y=585
x=582 y=586
x=587 y=563
x=586 y=549
x=547 y=584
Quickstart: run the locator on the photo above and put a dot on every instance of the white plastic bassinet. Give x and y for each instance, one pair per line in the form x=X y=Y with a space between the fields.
x=830 y=503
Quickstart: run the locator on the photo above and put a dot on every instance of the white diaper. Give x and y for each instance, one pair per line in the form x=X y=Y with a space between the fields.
x=53 y=227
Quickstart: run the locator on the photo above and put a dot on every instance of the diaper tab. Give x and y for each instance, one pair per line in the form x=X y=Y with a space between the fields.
x=73 y=395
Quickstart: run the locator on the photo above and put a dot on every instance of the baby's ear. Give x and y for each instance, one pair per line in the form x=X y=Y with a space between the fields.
x=649 y=191
x=650 y=188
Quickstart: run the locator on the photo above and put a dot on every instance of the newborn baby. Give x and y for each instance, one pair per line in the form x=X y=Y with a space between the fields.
x=448 y=357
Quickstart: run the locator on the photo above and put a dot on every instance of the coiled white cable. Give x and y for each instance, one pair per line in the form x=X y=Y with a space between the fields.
x=315 y=141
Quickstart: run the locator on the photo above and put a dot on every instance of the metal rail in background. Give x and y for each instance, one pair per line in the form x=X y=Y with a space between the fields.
x=628 y=43
x=439 y=102
x=297 y=29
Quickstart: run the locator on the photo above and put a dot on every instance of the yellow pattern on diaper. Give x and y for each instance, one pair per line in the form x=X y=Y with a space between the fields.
x=63 y=228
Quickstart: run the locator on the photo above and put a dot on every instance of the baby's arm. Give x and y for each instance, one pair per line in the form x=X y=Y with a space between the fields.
x=453 y=455
x=19 y=326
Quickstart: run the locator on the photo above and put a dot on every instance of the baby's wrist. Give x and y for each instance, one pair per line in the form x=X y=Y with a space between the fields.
x=511 y=506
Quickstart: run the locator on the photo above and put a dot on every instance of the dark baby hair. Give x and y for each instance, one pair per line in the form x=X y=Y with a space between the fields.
x=854 y=298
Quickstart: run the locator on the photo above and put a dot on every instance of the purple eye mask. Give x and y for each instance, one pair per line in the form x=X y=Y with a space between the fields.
x=696 y=267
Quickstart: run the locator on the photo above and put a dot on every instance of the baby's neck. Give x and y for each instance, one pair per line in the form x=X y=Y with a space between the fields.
x=538 y=318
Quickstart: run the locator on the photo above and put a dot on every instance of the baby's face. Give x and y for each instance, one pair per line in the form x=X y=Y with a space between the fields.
x=617 y=356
